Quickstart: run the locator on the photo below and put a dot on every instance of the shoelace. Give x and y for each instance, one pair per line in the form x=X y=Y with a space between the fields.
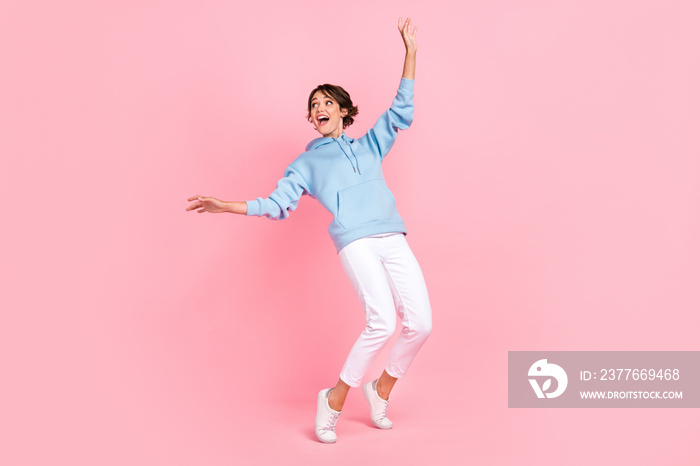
x=331 y=421
x=386 y=406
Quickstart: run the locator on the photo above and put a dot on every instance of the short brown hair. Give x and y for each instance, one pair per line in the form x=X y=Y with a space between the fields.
x=341 y=96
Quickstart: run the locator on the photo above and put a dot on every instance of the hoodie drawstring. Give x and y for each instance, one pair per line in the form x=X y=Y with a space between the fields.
x=348 y=157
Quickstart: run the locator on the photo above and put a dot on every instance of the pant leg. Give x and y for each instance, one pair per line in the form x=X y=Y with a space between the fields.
x=362 y=263
x=412 y=302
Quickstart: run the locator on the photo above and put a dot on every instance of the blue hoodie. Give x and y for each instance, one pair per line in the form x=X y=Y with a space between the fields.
x=345 y=175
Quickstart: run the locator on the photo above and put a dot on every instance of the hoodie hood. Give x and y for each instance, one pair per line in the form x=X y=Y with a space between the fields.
x=322 y=141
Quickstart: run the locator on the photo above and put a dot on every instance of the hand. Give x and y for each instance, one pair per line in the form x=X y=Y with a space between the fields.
x=409 y=38
x=207 y=204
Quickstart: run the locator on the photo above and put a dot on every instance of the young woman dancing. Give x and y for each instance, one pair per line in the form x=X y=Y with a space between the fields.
x=345 y=175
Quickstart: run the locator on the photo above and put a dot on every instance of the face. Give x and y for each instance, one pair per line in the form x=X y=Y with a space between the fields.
x=326 y=115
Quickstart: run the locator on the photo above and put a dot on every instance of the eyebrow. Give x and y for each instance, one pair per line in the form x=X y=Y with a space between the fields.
x=316 y=98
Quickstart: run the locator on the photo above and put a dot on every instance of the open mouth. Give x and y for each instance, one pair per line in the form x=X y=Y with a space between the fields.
x=322 y=120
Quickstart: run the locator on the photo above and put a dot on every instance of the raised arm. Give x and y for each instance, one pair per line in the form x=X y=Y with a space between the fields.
x=380 y=138
x=409 y=40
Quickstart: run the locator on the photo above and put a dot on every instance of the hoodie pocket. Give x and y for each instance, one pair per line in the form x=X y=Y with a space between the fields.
x=366 y=202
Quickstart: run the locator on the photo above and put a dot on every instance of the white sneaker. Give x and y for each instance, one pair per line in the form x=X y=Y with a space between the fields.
x=326 y=418
x=377 y=405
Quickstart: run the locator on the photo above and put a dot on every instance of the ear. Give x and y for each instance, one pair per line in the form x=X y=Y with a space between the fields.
x=344 y=112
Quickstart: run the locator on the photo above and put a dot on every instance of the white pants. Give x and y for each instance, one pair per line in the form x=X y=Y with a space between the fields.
x=387 y=278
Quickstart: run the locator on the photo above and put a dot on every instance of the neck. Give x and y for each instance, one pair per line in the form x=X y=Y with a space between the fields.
x=335 y=134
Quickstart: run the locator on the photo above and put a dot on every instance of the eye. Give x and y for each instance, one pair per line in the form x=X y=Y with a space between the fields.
x=313 y=105
x=329 y=102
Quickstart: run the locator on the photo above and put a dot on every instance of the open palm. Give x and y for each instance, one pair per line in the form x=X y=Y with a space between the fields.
x=409 y=38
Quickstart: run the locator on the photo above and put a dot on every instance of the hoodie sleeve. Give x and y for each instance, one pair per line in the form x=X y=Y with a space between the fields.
x=283 y=199
x=381 y=137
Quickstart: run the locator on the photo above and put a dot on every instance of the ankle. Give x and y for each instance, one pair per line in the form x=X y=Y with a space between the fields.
x=381 y=392
x=335 y=404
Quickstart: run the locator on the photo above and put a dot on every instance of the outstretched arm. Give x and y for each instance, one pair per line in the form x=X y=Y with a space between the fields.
x=409 y=40
x=216 y=206
x=276 y=207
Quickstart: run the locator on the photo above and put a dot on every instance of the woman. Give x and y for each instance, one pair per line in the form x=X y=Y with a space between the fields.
x=345 y=176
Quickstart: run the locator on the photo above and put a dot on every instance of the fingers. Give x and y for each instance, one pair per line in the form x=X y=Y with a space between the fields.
x=196 y=205
x=408 y=28
x=405 y=28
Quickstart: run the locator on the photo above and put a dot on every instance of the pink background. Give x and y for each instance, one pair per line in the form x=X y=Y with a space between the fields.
x=549 y=184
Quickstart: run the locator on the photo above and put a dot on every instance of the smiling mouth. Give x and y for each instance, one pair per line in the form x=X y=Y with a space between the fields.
x=322 y=120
